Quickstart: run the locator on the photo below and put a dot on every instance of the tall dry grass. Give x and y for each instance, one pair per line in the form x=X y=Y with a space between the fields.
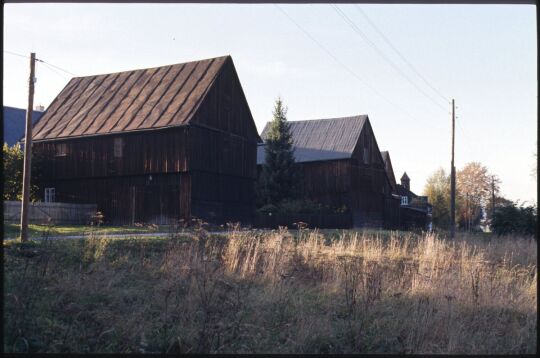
x=274 y=292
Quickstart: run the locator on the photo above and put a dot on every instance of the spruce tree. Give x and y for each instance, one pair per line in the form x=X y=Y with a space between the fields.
x=279 y=179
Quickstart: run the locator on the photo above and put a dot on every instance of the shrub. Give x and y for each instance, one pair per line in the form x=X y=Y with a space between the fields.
x=514 y=219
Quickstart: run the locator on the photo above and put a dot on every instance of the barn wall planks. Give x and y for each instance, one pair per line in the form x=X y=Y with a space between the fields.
x=163 y=151
x=204 y=165
x=157 y=198
x=359 y=183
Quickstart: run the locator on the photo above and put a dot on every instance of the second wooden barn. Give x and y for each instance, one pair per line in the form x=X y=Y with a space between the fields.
x=341 y=165
x=153 y=145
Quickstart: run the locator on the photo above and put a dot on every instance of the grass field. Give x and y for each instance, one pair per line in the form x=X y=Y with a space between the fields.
x=272 y=292
x=38 y=230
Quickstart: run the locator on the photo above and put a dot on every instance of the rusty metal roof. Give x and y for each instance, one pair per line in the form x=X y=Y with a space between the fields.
x=136 y=100
x=322 y=139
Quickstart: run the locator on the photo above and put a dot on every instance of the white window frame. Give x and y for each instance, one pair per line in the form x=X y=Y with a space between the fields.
x=404 y=200
x=118 y=147
x=50 y=194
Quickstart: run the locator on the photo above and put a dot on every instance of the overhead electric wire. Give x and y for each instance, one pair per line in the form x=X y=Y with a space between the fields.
x=358 y=31
x=50 y=68
x=16 y=54
x=42 y=61
x=58 y=68
x=389 y=43
x=364 y=82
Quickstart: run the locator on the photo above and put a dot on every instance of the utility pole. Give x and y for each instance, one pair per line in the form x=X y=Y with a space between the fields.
x=28 y=151
x=453 y=180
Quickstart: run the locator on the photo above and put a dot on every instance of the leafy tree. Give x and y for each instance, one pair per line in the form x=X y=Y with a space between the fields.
x=512 y=218
x=13 y=173
x=473 y=189
x=279 y=177
x=437 y=189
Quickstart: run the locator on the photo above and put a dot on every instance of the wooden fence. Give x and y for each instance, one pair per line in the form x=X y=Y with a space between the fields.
x=56 y=213
x=321 y=221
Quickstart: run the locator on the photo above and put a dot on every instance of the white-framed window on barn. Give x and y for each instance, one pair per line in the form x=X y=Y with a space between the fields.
x=118 y=147
x=404 y=200
x=50 y=195
x=61 y=149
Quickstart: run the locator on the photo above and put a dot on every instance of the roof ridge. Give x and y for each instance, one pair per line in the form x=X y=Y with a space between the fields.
x=328 y=119
x=155 y=67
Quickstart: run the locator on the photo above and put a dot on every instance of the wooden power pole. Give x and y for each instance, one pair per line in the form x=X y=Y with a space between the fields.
x=453 y=180
x=28 y=151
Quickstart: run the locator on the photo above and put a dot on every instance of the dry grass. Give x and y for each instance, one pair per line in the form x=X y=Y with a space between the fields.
x=273 y=292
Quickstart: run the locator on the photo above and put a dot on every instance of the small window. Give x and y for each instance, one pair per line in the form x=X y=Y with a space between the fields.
x=61 y=149
x=404 y=200
x=118 y=147
x=50 y=195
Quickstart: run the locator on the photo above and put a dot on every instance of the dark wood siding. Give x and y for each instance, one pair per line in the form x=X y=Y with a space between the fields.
x=205 y=168
x=223 y=172
x=327 y=182
x=163 y=198
x=161 y=151
x=225 y=106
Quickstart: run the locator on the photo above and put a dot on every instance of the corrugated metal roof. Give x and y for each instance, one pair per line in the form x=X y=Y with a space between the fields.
x=321 y=139
x=142 y=99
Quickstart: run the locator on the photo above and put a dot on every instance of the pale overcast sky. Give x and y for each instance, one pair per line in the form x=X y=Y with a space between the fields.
x=484 y=56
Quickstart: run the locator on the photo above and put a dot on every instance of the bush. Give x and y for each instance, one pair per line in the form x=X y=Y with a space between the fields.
x=514 y=219
x=301 y=206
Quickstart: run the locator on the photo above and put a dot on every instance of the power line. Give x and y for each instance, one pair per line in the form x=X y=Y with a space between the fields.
x=50 y=68
x=42 y=61
x=58 y=68
x=400 y=54
x=364 y=82
x=357 y=30
x=16 y=54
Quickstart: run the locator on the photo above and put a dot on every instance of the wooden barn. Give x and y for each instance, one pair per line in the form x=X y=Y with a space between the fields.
x=153 y=145
x=415 y=210
x=393 y=208
x=341 y=165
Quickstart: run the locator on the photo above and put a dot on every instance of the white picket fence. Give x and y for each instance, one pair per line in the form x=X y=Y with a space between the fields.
x=56 y=213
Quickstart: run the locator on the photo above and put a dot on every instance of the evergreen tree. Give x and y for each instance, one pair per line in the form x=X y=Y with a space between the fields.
x=279 y=177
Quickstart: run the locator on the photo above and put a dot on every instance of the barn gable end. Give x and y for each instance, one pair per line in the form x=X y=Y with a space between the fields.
x=153 y=145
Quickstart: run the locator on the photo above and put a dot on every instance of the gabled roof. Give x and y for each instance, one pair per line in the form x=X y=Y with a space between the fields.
x=144 y=99
x=405 y=176
x=321 y=139
x=388 y=168
x=15 y=122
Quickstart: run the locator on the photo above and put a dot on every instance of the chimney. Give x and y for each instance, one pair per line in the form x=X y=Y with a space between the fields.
x=405 y=181
x=40 y=108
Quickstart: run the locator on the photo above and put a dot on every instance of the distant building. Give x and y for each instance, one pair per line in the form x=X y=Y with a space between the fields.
x=15 y=121
x=153 y=145
x=415 y=210
x=341 y=165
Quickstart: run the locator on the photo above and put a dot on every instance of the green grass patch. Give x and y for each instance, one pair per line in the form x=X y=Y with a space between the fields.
x=37 y=230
